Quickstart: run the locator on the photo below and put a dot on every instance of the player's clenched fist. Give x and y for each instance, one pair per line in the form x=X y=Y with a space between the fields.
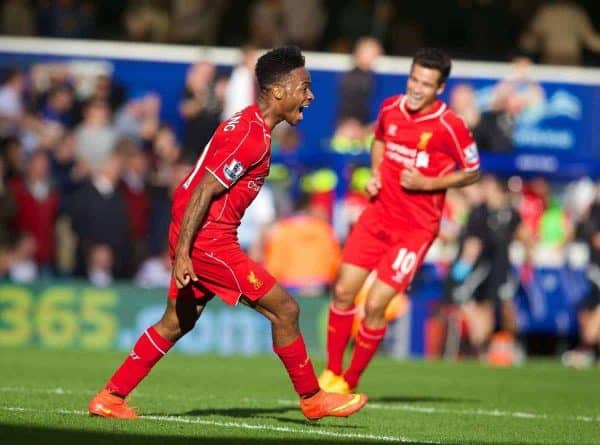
x=412 y=179
x=183 y=271
x=373 y=185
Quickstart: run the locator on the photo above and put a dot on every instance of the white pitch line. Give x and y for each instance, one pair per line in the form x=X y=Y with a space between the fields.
x=370 y=405
x=239 y=425
x=465 y=412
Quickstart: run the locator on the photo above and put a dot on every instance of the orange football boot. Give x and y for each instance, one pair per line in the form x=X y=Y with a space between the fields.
x=327 y=404
x=106 y=404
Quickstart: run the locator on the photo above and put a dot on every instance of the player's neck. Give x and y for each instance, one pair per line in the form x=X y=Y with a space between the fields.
x=268 y=114
x=424 y=109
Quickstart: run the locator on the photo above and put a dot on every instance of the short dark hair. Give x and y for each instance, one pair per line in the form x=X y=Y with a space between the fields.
x=274 y=65
x=434 y=58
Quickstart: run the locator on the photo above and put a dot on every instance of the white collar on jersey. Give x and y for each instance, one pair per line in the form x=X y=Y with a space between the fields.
x=425 y=117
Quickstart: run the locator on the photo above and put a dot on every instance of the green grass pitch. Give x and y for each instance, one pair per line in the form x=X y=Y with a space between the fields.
x=237 y=400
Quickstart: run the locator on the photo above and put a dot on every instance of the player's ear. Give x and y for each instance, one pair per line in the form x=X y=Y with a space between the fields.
x=441 y=89
x=278 y=92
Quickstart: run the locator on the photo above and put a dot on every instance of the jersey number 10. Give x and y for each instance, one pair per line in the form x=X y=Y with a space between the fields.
x=405 y=261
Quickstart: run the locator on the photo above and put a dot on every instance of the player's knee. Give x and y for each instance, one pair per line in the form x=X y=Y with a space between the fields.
x=174 y=327
x=374 y=309
x=343 y=295
x=290 y=311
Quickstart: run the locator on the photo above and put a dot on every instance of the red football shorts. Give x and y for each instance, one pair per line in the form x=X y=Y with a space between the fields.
x=223 y=270
x=394 y=255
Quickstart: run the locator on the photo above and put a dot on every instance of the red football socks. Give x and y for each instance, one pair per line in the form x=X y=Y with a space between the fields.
x=148 y=350
x=339 y=328
x=366 y=344
x=298 y=365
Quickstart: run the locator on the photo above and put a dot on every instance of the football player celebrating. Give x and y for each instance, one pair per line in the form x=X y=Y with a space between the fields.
x=418 y=145
x=207 y=259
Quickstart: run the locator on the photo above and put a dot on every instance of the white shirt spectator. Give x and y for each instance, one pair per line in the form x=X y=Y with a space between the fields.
x=11 y=108
x=259 y=215
x=154 y=273
x=95 y=144
x=240 y=91
x=10 y=103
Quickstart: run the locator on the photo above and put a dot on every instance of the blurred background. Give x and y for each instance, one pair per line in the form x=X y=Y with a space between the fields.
x=105 y=106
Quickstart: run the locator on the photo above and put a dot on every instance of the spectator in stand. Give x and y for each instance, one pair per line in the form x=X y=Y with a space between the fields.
x=196 y=22
x=155 y=272
x=68 y=173
x=66 y=18
x=17 y=18
x=13 y=155
x=22 y=267
x=137 y=199
x=348 y=210
x=287 y=167
x=512 y=98
x=108 y=90
x=550 y=226
x=99 y=216
x=161 y=200
x=11 y=103
x=267 y=29
x=241 y=89
x=357 y=86
x=355 y=21
x=7 y=215
x=257 y=220
x=37 y=207
x=95 y=136
x=99 y=265
x=60 y=107
x=464 y=103
x=165 y=153
x=294 y=241
x=146 y=22
x=139 y=118
x=200 y=108
x=589 y=311
x=304 y=22
x=351 y=137
x=559 y=32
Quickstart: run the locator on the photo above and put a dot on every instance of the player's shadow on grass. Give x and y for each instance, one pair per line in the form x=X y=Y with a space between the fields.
x=248 y=413
x=234 y=412
x=417 y=399
x=306 y=422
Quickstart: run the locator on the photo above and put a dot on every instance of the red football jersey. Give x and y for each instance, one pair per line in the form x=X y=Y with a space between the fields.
x=436 y=143
x=238 y=156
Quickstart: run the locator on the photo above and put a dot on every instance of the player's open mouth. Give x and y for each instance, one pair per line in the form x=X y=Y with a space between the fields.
x=301 y=109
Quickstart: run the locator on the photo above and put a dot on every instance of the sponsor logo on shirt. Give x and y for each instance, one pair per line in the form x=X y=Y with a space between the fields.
x=392 y=129
x=422 y=160
x=471 y=154
x=254 y=280
x=256 y=184
x=233 y=170
x=424 y=140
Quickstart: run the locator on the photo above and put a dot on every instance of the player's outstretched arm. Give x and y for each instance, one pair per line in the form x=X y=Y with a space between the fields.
x=412 y=179
x=194 y=214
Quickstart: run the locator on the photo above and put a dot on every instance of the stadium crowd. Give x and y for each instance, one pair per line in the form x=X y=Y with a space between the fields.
x=542 y=28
